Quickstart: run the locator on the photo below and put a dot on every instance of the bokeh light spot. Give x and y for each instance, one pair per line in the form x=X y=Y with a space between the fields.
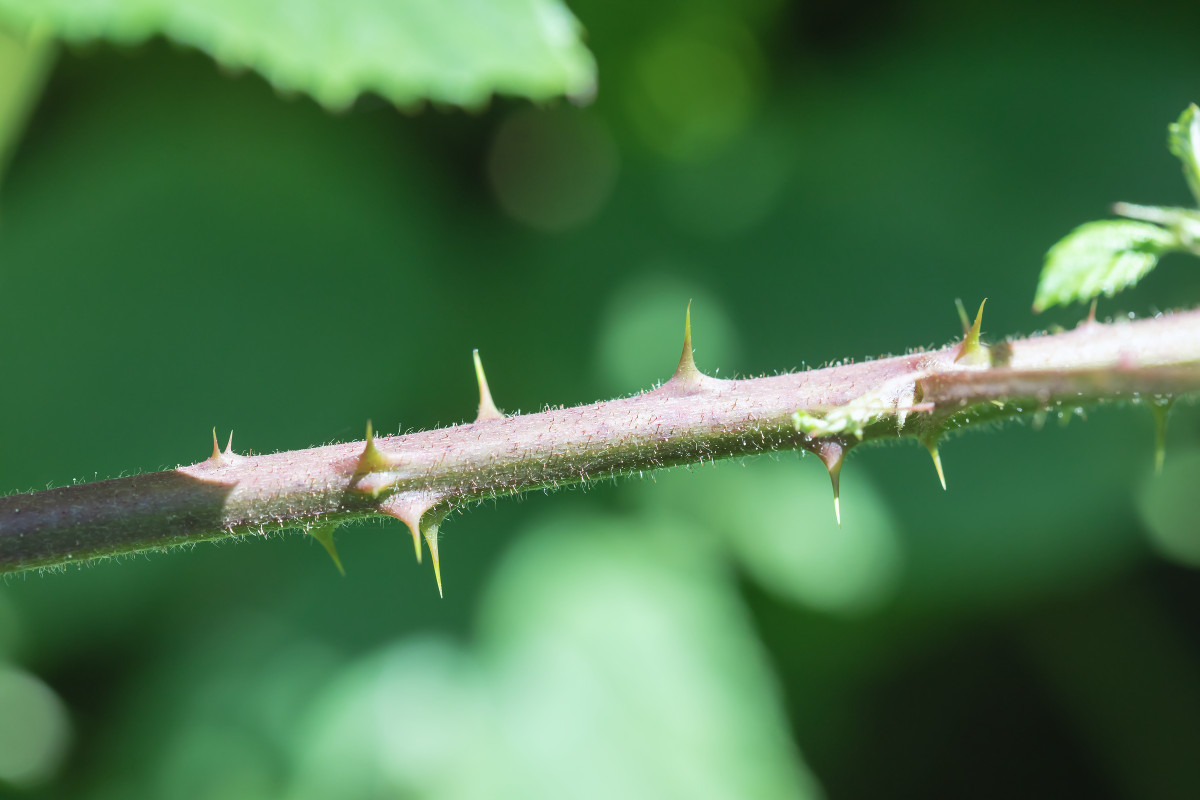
x=776 y=518
x=552 y=170
x=695 y=88
x=1170 y=508
x=33 y=729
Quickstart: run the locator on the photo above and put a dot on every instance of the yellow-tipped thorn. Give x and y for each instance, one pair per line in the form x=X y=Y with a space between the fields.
x=216 y=455
x=229 y=444
x=1160 y=410
x=931 y=445
x=487 y=408
x=971 y=351
x=324 y=535
x=832 y=453
x=431 y=532
x=371 y=459
x=409 y=509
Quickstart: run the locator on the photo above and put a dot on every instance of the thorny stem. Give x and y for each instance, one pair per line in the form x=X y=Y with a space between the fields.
x=692 y=418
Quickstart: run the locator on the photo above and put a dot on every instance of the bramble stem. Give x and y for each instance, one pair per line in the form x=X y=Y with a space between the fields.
x=692 y=418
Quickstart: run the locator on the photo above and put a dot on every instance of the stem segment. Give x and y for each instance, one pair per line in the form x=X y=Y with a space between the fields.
x=693 y=418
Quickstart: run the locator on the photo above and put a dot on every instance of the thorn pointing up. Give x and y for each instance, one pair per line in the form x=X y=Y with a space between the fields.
x=371 y=460
x=324 y=535
x=687 y=364
x=687 y=379
x=487 y=408
x=219 y=459
x=971 y=352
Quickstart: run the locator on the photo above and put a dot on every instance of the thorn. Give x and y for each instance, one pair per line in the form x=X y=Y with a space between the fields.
x=931 y=444
x=1160 y=409
x=420 y=513
x=686 y=376
x=324 y=535
x=431 y=534
x=1091 y=317
x=371 y=459
x=219 y=459
x=971 y=350
x=416 y=544
x=833 y=453
x=487 y=408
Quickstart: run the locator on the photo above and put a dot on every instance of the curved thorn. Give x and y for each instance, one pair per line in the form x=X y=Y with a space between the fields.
x=324 y=535
x=216 y=454
x=487 y=408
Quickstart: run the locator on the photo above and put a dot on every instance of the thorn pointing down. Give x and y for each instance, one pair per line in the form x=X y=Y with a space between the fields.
x=832 y=453
x=431 y=533
x=417 y=511
x=931 y=444
x=324 y=535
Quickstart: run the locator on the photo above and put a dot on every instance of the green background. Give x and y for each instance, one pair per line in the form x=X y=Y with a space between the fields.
x=182 y=248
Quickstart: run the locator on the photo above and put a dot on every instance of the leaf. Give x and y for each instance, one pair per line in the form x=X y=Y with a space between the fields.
x=1183 y=138
x=1101 y=258
x=449 y=51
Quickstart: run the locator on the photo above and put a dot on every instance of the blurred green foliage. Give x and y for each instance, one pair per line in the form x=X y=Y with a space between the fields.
x=181 y=248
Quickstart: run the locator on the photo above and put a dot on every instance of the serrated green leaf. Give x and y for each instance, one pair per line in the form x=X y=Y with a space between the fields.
x=458 y=52
x=1100 y=258
x=1183 y=138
